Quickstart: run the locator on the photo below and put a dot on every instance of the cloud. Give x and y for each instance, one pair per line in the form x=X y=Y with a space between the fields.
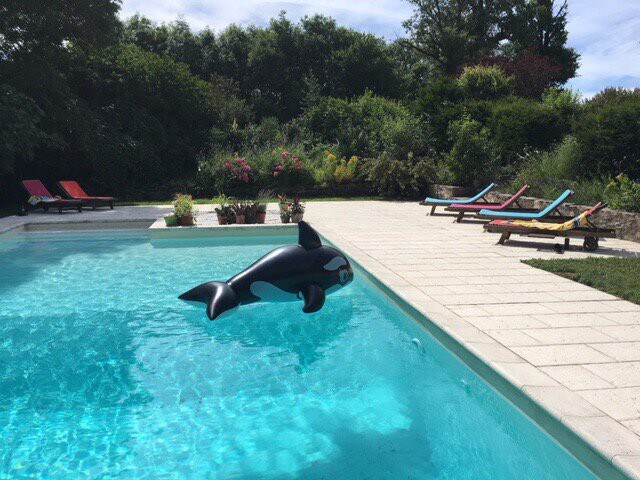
x=605 y=33
x=606 y=36
x=382 y=17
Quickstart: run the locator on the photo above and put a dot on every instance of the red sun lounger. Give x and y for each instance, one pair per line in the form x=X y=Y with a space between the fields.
x=39 y=197
x=73 y=190
x=463 y=208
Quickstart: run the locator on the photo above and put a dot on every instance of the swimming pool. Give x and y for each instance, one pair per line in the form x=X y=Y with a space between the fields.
x=105 y=374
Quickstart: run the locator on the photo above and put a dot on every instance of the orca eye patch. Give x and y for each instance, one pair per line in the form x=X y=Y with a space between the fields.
x=335 y=263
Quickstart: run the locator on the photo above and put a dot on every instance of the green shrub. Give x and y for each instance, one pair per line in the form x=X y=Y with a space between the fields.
x=485 y=83
x=622 y=193
x=517 y=124
x=566 y=102
x=438 y=104
x=547 y=172
x=216 y=174
x=392 y=177
x=367 y=126
x=346 y=171
x=608 y=131
x=472 y=158
x=290 y=170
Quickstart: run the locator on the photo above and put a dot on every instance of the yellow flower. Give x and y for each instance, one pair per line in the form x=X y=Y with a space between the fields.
x=331 y=156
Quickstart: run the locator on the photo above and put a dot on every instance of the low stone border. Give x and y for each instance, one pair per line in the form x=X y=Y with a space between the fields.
x=446 y=191
x=626 y=224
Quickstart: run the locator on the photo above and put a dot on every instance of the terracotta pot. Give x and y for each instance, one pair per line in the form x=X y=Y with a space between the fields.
x=222 y=220
x=261 y=217
x=296 y=217
x=240 y=219
x=284 y=219
x=186 y=221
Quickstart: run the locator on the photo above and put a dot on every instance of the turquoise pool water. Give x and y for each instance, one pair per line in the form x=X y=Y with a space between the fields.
x=105 y=374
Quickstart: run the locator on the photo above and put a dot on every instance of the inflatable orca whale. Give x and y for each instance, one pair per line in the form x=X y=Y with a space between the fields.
x=307 y=271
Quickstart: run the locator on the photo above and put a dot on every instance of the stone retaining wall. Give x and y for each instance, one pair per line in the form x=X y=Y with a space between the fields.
x=446 y=191
x=626 y=224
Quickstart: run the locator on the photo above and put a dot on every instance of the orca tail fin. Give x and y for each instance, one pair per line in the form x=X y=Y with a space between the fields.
x=218 y=296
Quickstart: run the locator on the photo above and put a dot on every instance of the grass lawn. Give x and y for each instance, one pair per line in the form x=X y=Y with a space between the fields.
x=617 y=276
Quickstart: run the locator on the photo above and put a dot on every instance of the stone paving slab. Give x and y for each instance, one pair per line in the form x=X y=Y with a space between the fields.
x=572 y=349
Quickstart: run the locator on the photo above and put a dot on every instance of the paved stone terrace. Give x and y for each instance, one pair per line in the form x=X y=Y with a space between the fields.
x=573 y=349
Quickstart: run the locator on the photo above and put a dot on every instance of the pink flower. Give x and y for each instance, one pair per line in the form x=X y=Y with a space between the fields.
x=246 y=168
x=296 y=159
x=275 y=174
x=285 y=155
x=228 y=165
x=245 y=177
x=280 y=168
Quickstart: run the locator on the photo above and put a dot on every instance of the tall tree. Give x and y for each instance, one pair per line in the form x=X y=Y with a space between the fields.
x=451 y=32
x=38 y=44
x=541 y=26
x=454 y=33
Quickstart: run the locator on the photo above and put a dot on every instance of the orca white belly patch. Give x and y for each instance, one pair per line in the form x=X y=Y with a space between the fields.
x=269 y=292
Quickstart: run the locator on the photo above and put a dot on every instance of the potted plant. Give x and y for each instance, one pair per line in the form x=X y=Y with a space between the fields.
x=226 y=214
x=240 y=209
x=297 y=210
x=261 y=214
x=171 y=220
x=282 y=202
x=285 y=214
x=251 y=212
x=183 y=209
x=264 y=196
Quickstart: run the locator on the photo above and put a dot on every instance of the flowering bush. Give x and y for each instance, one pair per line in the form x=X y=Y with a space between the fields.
x=296 y=206
x=183 y=205
x=290 y=170
x=622 y=193
x=346 y=171
x=290 y=163
x=285 y=213
x=238 y=169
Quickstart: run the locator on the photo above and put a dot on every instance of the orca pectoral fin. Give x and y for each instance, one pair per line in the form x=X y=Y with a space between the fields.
x=314 y=297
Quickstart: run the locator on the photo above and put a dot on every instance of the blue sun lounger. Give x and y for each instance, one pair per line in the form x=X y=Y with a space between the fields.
x=528 y=215
x=435 y=202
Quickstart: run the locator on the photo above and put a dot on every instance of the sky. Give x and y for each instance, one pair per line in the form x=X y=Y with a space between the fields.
x=606 y=33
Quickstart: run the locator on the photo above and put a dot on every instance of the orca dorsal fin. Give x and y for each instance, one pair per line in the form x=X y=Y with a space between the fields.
x=307 y=236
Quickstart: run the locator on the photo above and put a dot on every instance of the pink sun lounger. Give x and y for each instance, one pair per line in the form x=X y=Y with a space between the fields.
x=463 y=208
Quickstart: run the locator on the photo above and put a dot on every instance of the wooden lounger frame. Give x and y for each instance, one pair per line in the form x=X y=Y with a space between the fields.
x=91 y=201
x=591 y=233
x=60 y=205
